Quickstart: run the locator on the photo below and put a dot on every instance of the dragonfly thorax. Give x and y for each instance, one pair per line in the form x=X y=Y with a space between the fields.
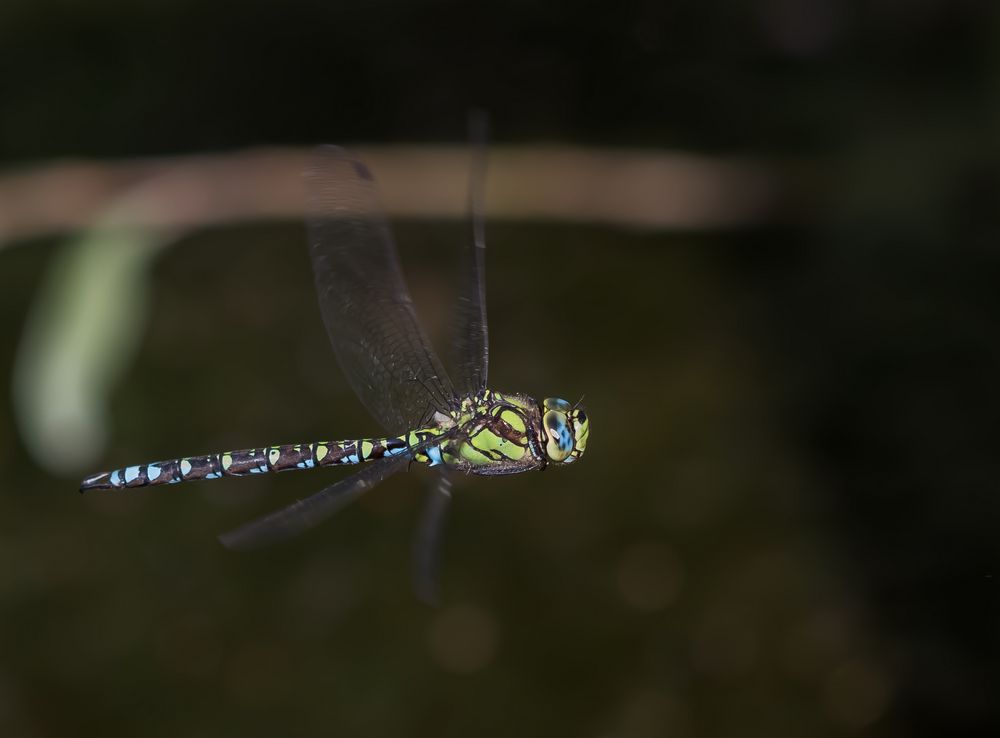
x=495 y=433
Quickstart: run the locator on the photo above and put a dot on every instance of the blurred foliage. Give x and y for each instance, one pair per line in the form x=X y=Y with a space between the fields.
x=81 y=336
x=786 y=520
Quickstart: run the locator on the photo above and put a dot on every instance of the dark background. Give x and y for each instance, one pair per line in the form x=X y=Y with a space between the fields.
x=786 y=521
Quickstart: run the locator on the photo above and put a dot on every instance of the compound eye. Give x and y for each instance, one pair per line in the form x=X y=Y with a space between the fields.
x=554 y=403
x=559 y=444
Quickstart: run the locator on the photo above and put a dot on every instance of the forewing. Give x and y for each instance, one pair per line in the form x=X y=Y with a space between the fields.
x=364 y=300
x=470 y=345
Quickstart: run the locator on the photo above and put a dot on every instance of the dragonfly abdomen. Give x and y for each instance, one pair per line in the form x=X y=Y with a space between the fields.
x=247 y=462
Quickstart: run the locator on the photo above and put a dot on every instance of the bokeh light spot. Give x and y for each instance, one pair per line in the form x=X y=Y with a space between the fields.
x=463 y=639
x=723 y=646
x=649 y=576
x=857 y=694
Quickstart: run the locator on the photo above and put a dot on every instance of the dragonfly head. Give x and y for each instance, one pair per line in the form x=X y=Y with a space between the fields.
x=566 y=429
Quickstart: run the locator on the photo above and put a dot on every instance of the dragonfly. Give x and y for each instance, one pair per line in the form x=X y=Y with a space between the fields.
x=454 y=424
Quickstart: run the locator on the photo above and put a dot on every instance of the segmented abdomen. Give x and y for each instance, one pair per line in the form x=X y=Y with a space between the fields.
x=247 y=462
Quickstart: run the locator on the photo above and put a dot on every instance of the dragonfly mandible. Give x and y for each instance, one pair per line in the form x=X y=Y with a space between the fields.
x=456 y=424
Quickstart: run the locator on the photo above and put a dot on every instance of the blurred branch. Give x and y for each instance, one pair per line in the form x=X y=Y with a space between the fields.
x=651 y=189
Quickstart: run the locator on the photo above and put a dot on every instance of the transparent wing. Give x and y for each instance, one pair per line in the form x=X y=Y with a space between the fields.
x=471 y=347
x=311 y=511
x=364 y=300
x=427 y=544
